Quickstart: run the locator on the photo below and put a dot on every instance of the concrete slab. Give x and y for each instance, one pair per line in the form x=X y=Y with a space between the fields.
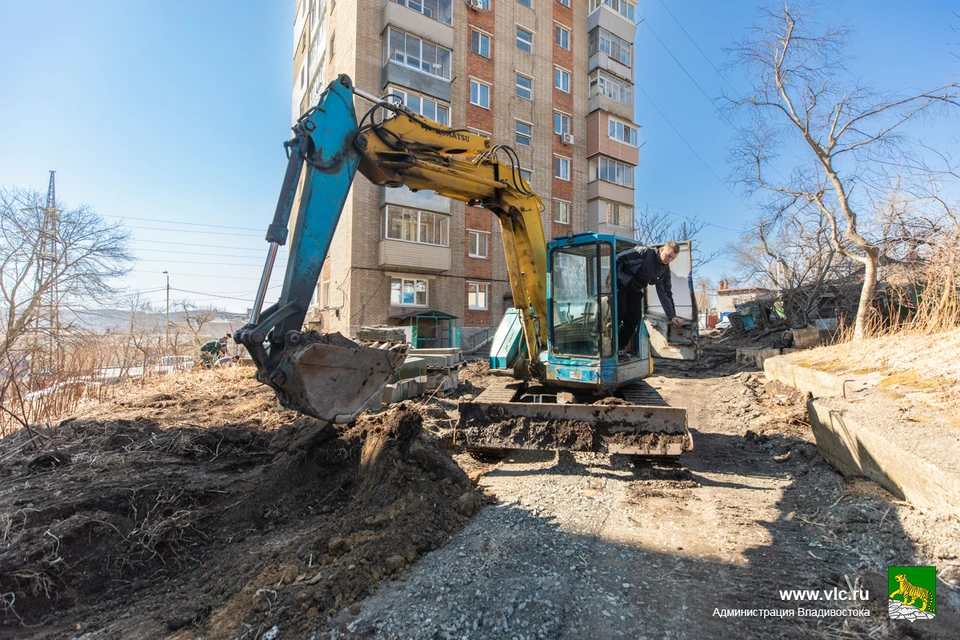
x=438 y=357
x=747 y=355
x=916 y=461
x=819 y=383
x=806 y=338
x=765 y=354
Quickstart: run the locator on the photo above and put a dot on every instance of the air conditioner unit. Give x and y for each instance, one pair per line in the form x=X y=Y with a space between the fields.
x=476 y=5
x=566 y=138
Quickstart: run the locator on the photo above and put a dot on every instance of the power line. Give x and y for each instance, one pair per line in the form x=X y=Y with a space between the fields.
x=722 y=115
x=212 y=233
x=684 y=69
x=722 y=77
x=692 y=150
x=214 y=264
x=192 y=224
x=213 y=295
x=206 y=246
x=193 y=253
x=194 y=275
x=688 y=218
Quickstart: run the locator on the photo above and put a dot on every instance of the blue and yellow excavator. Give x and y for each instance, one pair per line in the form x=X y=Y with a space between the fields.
x=571 y=386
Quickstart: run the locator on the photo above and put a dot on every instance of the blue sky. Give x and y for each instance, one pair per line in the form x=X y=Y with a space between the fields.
x=168 y=116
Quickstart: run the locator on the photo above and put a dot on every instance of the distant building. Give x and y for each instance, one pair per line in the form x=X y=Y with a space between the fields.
x=729 y=298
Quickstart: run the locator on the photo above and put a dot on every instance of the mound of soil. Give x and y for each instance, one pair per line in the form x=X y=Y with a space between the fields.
x=209 y=512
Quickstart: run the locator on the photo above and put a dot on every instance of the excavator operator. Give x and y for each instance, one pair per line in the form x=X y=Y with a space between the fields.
x=637 y=268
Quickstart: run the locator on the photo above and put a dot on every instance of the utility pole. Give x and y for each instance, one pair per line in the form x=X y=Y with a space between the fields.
x=167 y=273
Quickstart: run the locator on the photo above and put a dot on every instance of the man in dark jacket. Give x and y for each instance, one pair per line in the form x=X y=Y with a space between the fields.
x=638 y=268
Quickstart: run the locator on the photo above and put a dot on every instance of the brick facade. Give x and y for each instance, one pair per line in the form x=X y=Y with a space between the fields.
x=360 y=286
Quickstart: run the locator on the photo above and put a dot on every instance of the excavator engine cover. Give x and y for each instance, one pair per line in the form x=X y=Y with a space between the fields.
x=333 y=378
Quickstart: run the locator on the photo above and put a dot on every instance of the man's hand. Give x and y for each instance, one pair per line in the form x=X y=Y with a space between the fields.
x=678 y=321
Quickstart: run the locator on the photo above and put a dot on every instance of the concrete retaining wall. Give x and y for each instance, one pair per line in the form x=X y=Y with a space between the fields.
x=919 y=462
x=819 y=383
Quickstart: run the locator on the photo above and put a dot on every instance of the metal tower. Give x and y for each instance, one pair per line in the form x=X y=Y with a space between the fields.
x=48 y=316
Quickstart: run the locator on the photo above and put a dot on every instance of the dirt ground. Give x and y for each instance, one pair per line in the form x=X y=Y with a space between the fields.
x=195 y=506
x=195 y=509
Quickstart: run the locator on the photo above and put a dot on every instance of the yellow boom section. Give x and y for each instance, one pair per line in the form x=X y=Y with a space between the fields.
x=415 y=152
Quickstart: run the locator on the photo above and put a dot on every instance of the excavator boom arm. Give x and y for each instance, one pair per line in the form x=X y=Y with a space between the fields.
x=409 y=150
x=333 y=379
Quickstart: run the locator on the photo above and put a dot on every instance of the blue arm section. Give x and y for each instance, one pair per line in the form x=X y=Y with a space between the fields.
x=323 y=158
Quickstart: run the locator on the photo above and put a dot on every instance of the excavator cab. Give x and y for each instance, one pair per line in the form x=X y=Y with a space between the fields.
x=583 y=316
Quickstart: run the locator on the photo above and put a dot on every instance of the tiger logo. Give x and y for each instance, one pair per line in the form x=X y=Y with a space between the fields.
x=911 y=593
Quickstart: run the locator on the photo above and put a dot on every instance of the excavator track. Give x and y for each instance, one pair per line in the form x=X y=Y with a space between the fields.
x=639 y=424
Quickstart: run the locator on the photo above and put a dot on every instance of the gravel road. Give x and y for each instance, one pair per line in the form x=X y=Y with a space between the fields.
x=595 y=546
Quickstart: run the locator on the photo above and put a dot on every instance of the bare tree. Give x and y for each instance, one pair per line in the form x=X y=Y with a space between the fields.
x=195 y=318
x=52 y=265
x=702 y=288
x=657 y=228
x=846 y=137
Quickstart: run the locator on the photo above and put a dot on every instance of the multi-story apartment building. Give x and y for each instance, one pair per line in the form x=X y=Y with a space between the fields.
x=553 y=78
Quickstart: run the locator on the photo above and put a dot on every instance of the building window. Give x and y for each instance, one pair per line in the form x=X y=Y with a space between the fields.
x=623 y=7
x=415 y=53
x=603 y=41
x=480 y=132
x=408 y=292
x=524 y=133
x=561 y=79
x=480 y=43
x=565 y=3
x=525 y=87
x=561 y=211
x=440 y=10
x=561 y=123
x=561 y=167
x=602 y=168
x=319 y=46
x=425 y=106
x=526 y=3
x=619 y=214
x=485 y=4
x=477 y=294
x=605 y=84
x=411 y=225
x=323 y=294
x=527 y=176
x=478 y=243
x=622 y=132
x=524 y=40
x=561 y=36
x=480 y=94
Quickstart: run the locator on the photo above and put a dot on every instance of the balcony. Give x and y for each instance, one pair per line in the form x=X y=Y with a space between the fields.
x=609 y=191
x=597 y=220
x=617 y=230
x=423 y=199
x=608 y=104
x=415 y=23
x=395 y=73
x=603 y=61
x=611 y=21
x=399 y=254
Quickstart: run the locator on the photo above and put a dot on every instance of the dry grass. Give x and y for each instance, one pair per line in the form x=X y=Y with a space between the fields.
x=208 y=397
x=924 y=366
x=920 y=357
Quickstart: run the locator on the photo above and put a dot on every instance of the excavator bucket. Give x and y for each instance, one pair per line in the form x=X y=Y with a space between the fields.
x=333 y=378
